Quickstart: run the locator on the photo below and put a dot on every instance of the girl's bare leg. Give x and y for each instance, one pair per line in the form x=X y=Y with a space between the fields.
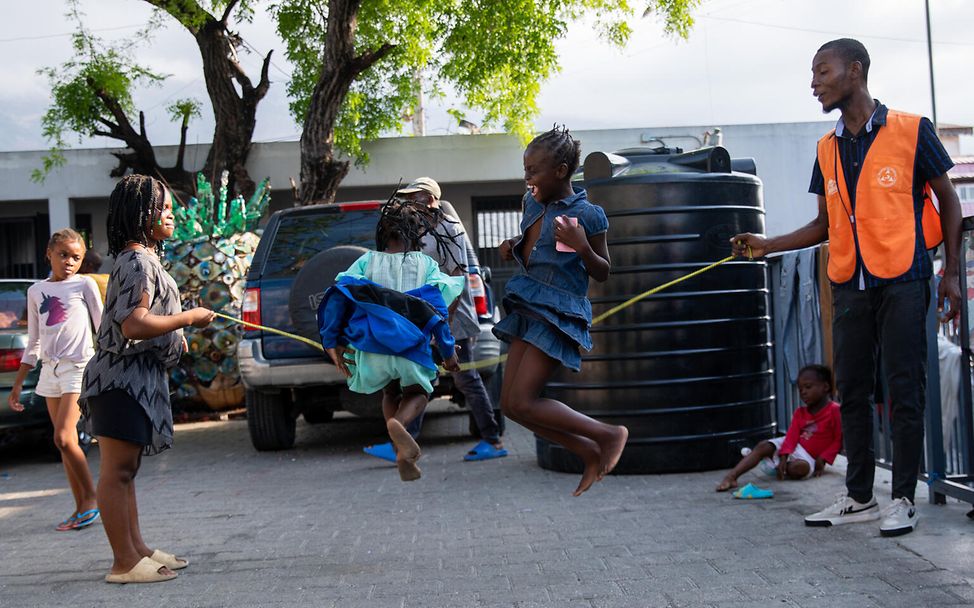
x=763 y=450
x=65 y=414
x=116 y=499
x=391 y=395
x=599 y=445
x=133 y=509
x=411 y=404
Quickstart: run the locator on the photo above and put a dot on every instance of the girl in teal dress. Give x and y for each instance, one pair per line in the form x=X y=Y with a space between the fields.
x=377 y=322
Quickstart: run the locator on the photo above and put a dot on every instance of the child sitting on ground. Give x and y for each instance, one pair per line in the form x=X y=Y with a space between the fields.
x=813 y=439
x=388 y=305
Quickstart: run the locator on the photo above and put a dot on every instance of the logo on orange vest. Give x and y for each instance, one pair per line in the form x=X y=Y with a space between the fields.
x=831 y=187
x=886 y=177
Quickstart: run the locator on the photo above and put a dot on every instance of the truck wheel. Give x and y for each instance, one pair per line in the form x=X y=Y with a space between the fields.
x=317 y=275
x=269 y=421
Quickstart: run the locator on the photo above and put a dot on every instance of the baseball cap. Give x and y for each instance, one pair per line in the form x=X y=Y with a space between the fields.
x=424 y=184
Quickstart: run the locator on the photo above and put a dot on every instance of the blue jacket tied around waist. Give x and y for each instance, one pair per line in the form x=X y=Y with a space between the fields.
x=376 y=319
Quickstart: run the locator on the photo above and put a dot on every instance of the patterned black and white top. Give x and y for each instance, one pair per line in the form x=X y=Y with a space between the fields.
x=137 y=366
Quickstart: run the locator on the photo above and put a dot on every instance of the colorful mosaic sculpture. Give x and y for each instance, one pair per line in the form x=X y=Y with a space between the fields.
x=208 y=258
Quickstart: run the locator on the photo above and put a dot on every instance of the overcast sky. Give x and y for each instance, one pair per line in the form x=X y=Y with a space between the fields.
x=746 y=61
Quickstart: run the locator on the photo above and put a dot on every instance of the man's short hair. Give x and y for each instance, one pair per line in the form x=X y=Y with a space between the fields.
x=849 y=50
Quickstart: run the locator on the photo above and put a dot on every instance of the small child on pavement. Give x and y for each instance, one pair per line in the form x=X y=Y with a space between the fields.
x=813 y=439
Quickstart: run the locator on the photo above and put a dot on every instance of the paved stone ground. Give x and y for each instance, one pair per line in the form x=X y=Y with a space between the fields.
x=325 y=525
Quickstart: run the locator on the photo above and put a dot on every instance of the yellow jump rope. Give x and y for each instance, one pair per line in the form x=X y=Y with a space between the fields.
x=501 y=358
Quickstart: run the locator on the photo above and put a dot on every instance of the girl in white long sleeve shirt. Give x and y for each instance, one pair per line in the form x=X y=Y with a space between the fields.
x=62 y=313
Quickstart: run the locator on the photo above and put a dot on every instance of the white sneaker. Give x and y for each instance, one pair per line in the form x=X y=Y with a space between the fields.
x=899 y=518
x=844 y=510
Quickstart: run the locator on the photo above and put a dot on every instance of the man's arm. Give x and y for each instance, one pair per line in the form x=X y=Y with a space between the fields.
x=812 y=233
x=950 y=223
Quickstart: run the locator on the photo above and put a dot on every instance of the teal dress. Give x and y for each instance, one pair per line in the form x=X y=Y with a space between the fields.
x=402 y=272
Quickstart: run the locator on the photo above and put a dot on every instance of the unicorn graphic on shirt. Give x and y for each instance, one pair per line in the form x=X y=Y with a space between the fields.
x=56 y=313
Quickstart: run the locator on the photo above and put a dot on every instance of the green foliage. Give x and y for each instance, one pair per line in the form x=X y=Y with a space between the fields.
x=79 y=90
x=184 y=109
x=494 y=53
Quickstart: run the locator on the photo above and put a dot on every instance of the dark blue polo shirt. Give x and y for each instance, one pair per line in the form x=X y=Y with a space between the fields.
x=932 y=161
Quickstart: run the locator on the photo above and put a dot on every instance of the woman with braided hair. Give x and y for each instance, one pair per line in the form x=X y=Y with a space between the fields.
x=125 y=390
x=378 y=320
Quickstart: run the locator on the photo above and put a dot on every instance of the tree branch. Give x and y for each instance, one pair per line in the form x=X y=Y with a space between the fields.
x=188 y=13
x=368 y=58
x=265 y=81
x=226 y=13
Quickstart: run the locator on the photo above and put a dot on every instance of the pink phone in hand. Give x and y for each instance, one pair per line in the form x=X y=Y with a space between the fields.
x=572 y=221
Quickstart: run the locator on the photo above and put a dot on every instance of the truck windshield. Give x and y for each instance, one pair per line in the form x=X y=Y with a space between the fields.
x=300 y=237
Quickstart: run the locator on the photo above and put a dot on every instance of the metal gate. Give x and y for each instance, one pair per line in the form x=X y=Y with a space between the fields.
x=496 y=218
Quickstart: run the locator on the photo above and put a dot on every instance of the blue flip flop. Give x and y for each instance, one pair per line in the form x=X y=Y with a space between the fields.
x=752 y=491
x=484 y=451
x=385 y=451
x=86 y=519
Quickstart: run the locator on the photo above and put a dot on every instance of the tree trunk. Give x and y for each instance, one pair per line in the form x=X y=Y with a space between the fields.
x=235 y=114
x=321 y=171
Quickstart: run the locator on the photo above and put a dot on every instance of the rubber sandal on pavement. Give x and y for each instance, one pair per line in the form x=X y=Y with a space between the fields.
x=169 y=560
x=484 y=451
x=385 y=451
x=67 y=524
x=146 y=571
x=86 y=519
x=751 y=491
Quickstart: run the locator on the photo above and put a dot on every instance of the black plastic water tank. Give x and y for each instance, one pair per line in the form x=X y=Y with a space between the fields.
x=690 y=369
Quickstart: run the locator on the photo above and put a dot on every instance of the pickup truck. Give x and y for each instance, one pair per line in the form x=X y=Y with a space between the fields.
x=300 y=252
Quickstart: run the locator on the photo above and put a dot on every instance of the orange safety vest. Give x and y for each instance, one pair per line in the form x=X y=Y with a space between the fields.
x=885 y=219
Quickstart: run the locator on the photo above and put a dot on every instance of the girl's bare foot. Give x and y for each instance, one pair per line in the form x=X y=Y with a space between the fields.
x=407 y=451
x=727 y=483
x=589 y=476
x=408 y=469
x=612 y=450
x=406 y=446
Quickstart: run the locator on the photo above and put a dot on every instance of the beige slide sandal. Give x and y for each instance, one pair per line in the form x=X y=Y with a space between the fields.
x=146 y=571
x=169 y=560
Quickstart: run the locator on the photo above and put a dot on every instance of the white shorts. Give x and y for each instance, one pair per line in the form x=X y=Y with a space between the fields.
x=60 y=378
x=799 y=454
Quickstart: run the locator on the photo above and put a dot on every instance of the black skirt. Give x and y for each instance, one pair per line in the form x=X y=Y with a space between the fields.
x=117 y=415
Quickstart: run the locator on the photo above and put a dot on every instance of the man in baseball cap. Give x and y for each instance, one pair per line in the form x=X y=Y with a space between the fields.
x=422 y=184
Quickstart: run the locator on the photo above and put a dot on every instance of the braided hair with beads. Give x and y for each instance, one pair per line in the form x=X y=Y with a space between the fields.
x=560 y=146
x=134 y=204
x=409 y=221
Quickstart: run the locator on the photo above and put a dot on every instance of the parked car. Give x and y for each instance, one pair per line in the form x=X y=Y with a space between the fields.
x=300 y=252
x=13 y=341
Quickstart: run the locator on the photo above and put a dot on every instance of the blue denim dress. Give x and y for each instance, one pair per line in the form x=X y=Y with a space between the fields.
x=547 y=300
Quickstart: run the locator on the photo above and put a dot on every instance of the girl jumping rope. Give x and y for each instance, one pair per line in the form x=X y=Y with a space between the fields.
x=125 y=393
x=387 y=306
x=61 y=312
x=562 y=244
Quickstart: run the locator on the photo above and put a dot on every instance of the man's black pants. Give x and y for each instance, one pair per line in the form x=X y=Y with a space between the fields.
x=889 y=321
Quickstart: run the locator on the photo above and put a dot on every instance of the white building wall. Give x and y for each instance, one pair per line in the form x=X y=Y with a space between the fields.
x=464 y=165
